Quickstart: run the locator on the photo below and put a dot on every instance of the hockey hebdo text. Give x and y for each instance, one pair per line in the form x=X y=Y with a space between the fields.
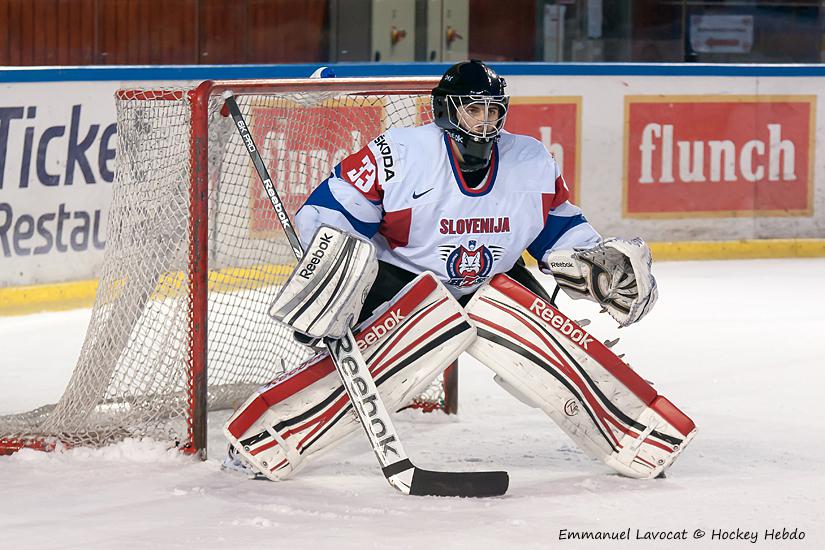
x=766 y=535
x=85 y=151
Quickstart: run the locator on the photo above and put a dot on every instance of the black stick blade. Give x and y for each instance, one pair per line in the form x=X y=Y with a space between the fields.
x=459 y=484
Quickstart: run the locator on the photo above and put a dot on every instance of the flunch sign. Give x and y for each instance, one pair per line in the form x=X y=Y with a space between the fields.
x=718 y=155
x=300 y=145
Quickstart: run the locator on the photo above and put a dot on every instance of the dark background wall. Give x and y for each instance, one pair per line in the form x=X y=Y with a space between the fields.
x=134 y=32
x=130 y=32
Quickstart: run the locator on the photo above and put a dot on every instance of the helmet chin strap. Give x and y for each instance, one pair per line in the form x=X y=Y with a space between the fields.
x=474 y=155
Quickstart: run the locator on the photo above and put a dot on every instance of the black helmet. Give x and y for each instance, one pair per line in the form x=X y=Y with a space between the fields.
x=466 y=83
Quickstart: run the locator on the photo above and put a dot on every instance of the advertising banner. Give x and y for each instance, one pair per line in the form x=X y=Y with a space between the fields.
x=301 y=145
x=668 y=157
x=715 y=155
x=57 y=162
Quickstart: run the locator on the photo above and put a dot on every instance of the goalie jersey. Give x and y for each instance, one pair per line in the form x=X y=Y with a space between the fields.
x=405 y=191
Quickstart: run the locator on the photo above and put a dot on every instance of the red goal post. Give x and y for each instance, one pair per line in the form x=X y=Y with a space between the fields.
x=195 y=255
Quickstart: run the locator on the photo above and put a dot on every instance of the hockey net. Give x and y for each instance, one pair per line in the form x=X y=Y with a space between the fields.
x=195 y=255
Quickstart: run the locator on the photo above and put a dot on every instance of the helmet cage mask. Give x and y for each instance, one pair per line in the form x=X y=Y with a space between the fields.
x=475 y=144
x=480 y=130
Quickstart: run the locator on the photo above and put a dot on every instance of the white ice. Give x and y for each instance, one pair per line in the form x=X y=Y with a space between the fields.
x=737 y=345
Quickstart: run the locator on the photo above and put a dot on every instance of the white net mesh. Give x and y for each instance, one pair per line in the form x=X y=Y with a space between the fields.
x=135 y=372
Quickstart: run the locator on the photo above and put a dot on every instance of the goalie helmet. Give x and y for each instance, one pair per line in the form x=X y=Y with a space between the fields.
x=467 y=84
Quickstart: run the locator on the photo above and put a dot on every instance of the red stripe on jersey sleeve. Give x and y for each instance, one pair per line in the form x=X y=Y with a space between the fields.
x=361 y=171
x=395 y=226
x=549 y=201
x=546 y=205
x=562 y=192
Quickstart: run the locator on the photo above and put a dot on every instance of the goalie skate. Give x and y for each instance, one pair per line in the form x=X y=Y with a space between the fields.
x=235 y=462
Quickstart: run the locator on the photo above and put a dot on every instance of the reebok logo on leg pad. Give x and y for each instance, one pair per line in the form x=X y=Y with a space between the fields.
x=562 y=323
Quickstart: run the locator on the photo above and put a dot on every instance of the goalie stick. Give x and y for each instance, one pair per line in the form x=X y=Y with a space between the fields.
x=396 y=466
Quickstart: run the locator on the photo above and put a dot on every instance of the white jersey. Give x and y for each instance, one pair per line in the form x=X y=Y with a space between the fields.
x=405 y=191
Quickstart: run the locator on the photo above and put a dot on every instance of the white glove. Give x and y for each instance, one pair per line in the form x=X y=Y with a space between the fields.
x=615 y=273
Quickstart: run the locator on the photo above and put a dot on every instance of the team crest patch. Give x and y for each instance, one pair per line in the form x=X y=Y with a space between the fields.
x=469 y=265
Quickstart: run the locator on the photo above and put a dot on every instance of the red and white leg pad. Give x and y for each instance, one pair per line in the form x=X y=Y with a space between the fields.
x=546 y=359
x=406 y=344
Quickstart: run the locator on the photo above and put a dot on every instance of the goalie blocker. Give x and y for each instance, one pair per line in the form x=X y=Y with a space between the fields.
x=325 y=293
x=406 y=344
x=548 y=361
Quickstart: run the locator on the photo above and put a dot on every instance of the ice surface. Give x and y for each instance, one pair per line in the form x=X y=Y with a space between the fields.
x=737 y=345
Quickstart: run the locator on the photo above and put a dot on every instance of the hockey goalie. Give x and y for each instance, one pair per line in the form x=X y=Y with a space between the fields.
x=416 y=242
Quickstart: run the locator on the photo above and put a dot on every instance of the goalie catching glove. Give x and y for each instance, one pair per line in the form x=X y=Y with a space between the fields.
x=615 y=273
x=324 y=295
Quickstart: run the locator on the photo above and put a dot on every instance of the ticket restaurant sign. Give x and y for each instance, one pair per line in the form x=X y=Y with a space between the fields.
x=718 y=156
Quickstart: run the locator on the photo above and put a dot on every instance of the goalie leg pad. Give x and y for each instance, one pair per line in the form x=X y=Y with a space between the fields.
x=407 y=343
x=598 y=400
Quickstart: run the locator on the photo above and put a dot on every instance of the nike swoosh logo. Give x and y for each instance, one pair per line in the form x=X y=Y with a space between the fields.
x=419 y=195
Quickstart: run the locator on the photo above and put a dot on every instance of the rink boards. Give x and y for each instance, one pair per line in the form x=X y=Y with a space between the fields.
x=702 y=161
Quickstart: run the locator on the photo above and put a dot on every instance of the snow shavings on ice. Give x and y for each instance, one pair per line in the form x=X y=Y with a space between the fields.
x=144 y=450
x=746 y=366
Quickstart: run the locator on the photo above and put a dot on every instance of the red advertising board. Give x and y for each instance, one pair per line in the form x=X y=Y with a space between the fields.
x=300 y=145
x=556 y=122
x=706 y=156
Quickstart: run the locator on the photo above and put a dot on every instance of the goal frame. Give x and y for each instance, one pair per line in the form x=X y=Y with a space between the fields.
x=202 y=101
x=198 y=99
